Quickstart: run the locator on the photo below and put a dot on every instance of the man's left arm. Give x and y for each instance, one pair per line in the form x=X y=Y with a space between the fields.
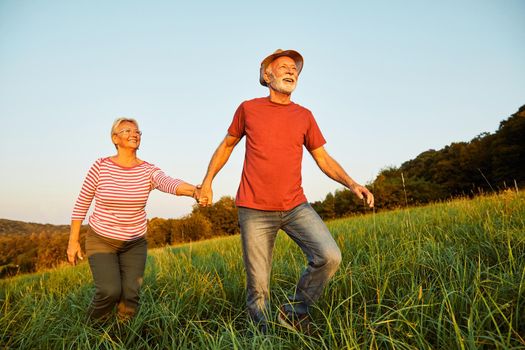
x=333 y=170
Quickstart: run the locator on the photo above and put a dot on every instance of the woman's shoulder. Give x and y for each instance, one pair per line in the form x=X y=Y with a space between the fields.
x=147 y=164
x=103 y=160
x=97 y=165
x=150 y=167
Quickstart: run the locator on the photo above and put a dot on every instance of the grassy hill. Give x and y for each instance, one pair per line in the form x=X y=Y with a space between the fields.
x=446 y=276
x=25 y=228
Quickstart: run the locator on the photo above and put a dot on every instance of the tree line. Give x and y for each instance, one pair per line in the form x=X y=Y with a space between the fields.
x=220 y=219
x=29 y=247
x=488 y=163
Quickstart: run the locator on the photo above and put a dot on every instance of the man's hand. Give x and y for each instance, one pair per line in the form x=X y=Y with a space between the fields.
x=206 y=195
x=333 y=170
x=363 y=192
x=219 y=158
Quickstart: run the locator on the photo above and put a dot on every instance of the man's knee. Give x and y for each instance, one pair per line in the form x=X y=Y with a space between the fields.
x=332 y=258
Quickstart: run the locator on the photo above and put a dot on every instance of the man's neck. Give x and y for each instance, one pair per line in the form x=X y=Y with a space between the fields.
x=279 y=97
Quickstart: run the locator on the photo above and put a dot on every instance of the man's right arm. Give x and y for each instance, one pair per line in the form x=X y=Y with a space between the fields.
x=219 y=158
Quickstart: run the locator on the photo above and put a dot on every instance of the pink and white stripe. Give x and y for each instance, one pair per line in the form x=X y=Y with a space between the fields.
x=120 y=197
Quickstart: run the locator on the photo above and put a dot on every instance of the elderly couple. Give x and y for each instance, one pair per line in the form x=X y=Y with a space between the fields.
x=270 y=197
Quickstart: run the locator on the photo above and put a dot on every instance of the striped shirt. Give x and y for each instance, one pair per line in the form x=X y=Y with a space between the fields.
x=120 y=197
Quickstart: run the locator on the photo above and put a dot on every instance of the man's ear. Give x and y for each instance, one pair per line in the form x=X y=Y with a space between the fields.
x=266 y=76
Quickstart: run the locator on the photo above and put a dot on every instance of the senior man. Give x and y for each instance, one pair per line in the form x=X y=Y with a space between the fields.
x=270 y=195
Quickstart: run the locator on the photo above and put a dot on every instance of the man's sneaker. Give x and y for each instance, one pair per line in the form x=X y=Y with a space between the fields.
x=294 y=321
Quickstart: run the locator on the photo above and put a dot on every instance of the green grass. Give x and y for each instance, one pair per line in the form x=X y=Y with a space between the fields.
x=445 y=276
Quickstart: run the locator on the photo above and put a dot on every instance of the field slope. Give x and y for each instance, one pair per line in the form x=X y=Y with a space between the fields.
x=446 y=276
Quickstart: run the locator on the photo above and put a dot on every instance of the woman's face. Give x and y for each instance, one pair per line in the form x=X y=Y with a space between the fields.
x=127 y=135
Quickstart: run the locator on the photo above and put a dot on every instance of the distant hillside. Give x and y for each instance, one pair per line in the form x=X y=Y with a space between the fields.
x=29 y=247
x=25 y=228
x=489 y=163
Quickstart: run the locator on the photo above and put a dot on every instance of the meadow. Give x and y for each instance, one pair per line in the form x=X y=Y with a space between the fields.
x=445 y=276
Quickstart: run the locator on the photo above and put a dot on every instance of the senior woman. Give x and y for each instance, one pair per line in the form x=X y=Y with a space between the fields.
x=115 y=243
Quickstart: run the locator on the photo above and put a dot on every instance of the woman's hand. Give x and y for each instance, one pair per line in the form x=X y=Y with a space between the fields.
x=197 y=193
x=73 y=247
x=73 y=252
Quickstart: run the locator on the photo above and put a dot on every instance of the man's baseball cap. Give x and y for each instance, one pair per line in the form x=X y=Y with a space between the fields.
x=296 y=56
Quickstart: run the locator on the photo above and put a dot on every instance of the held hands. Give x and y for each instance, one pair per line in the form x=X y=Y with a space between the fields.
x=363 y=192
x=203 y=195
x=206 y=196
x=73 y=252
x=197 y=193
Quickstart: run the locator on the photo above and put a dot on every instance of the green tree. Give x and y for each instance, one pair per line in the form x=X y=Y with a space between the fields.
x=388 y=189
x=159 y=232
x=193 y=227
x=508 y=151
x=222 y=215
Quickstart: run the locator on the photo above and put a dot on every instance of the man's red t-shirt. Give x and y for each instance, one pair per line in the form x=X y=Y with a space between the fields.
x=275 y=135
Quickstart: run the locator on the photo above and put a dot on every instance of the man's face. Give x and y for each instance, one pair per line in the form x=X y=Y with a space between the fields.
x=282 y=75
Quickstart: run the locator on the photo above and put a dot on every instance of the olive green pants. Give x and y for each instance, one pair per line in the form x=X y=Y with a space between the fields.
x=117 y=268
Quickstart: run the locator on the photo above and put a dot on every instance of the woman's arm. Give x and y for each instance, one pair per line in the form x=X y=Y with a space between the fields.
x=73 y=247
x=87 y=193
x=167 y=184
x=189 y=190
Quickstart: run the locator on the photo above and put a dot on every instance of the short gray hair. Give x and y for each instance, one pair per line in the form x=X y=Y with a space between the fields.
x=117 y=123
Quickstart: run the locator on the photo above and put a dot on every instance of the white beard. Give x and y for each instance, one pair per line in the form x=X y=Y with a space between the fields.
x=280 y=86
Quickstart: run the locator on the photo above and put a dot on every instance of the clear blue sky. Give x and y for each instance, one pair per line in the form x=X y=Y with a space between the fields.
x=386 y=80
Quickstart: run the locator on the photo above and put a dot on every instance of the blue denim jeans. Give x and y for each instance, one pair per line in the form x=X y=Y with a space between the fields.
x=302 y=224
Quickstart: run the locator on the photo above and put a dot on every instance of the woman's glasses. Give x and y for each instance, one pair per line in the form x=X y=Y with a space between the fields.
x=128 y=132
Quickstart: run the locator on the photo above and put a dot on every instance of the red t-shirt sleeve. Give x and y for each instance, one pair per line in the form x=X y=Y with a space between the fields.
x=236 y=128
x=313 y=138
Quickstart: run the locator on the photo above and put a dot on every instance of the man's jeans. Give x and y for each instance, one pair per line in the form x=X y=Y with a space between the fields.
x=302 y=224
